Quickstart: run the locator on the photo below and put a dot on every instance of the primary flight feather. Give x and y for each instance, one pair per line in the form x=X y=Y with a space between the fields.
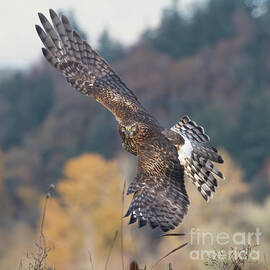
x=164 y=155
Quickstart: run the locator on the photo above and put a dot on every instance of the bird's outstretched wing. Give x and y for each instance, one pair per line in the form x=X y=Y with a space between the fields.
x=85 y=69
x=160 y=197
x=197 y=157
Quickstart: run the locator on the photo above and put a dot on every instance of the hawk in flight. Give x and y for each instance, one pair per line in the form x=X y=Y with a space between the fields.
x=164 y=155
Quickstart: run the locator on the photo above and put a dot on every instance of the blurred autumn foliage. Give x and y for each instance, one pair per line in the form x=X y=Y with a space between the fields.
x=87 y=211
x=213 y=66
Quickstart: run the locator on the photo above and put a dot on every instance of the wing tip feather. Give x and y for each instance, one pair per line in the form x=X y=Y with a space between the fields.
x=52 y=13
x=76 y=34
x=220 y=159
x=45 y=52
x=64 y=19
x=38 y=29
x=42 y=17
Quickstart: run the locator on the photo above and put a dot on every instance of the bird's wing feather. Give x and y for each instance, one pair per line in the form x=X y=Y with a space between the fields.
x=197 y=157
x=160 y=197
x=85 y=69
x=191 y=130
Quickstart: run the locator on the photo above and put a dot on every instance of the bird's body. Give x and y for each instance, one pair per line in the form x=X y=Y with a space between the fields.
x=164 y=155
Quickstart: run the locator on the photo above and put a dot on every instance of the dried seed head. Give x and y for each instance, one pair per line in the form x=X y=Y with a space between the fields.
x=51 y=187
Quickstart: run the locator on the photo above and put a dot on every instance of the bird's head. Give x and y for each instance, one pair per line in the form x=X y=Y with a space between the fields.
x=130 y=130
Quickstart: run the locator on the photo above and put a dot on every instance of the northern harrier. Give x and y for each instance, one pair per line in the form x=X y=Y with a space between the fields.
x=164 y=155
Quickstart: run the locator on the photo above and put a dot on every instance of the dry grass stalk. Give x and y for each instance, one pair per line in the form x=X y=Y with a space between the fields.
x=37 y=260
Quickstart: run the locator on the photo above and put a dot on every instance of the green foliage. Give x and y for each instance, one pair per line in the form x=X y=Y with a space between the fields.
x=169 y=38
x=179 y=37
x=251 y=145
x=214 y=22
x=109 y=48
x=257 y=65
x=99 y=140
x=25 y=101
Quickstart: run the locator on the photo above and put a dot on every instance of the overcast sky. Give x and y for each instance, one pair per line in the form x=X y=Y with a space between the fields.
x=126 y=19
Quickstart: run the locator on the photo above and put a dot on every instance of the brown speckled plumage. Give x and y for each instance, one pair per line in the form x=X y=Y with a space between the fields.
x=160 y=197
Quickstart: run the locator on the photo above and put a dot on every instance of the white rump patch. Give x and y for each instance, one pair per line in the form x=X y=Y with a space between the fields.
x=185 y=151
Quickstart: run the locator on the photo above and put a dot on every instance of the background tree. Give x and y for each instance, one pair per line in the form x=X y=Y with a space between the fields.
x=24 y=110
x=110 y=48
